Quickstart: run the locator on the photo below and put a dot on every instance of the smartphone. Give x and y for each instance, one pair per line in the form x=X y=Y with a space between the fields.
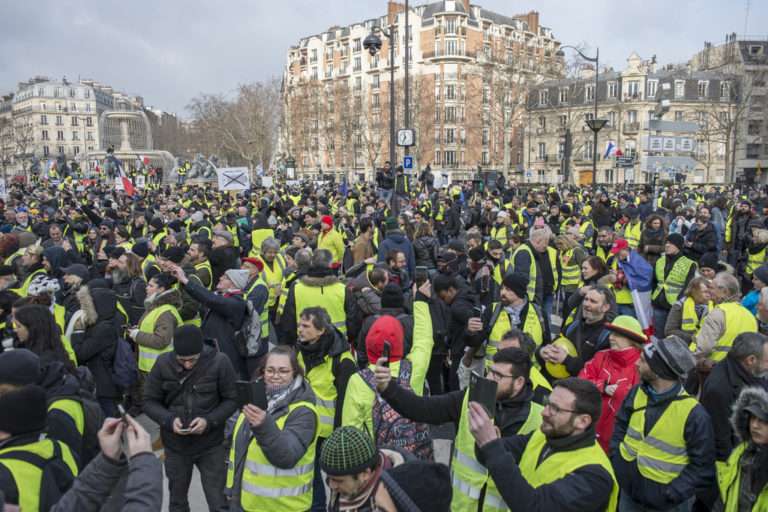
x=386 y=353
x=477 y=311
x=483 y=391
x=421 y=275
x=252 y=392
x=121 y=411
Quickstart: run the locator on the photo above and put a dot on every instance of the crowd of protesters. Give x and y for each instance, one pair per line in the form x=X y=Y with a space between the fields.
x=303 y=345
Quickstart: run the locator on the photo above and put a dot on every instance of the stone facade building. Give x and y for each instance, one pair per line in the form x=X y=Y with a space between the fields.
x=468 y=67
x=671 y=121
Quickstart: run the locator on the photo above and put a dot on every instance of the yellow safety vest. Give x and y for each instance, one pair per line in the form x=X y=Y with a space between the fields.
x=148 y=355
x=500 y=234
x=257 y=237
x=559 y=465
x=24 y=289
x=500 y=270
x=738 y=319
x=661 y=454
x=59 y=313
x=729 y=482
x=691 y=321
x=632 y=234
x=330 y=298
x=532 y=271
x=273 y=276
x=206 y=265
x=552 y=253
x=583 y=227
x=603 y=254
x=323 y=383
x=264 y=315
x=73 y=409
x=531 y=325
x=235 y=232
x=269 y=488
x=755 y=261
x=148 y=262
x=672 y=285
x=29 y=476
x=9 y=259
x=571 y=271
x=623 y=294
x=468 y=476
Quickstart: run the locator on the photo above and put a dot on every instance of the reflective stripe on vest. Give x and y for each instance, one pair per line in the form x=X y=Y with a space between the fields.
x=755 y=261
x=273 y=277
x=729 y=481
x=330 y=298
x=468 y=476
x=28 y=476
x=531 y=272
x=73 y=409
x=559 y=465
x=571 y=272
x=257 y=237
x=266 y=487
x=59 y=314
x=206 y=265
x=661 y=454
x=632 y=234
x=690 y=320
x=738 y=319
x=148 y=355
x=24 y=289
x=531 y=325
x=323 y=383
x=672 y=284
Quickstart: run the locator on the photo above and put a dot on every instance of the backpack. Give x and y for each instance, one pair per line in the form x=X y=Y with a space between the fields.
x=248 y=340
x=125 y=371
x=55 y=477
x=392 y=430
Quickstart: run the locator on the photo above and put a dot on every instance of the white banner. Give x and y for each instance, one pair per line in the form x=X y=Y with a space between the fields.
x=233 y=178
x=140 y=181
x=267 y=182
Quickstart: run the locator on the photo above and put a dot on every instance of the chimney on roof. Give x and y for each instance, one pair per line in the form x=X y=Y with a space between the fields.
x=393 y=8
x=466 y=6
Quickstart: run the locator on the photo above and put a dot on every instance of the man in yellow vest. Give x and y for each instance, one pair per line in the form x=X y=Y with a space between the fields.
x=539 y=262
x=720 y=327
x=671 y=276
x=662 y=448
x=274 y=271
x=514 y=413
x=558 y=466
x=330 y=239
x=197 y=257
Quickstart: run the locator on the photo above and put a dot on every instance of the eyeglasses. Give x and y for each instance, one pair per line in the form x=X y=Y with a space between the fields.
x=500 y=375
x=555 y=408
x=278 y=371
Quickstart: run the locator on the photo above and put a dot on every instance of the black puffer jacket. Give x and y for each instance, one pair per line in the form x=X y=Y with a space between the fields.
x=210 y=394
x=426 y=249
x=95 y=344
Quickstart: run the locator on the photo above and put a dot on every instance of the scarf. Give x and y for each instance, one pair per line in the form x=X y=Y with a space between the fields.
x=277 y=394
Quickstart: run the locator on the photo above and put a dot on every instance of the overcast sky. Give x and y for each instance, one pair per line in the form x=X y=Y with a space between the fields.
x=172 y=50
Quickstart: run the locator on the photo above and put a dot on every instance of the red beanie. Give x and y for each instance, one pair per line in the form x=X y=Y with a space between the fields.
x=255 y=262
x=327 y=219
x=385 y=328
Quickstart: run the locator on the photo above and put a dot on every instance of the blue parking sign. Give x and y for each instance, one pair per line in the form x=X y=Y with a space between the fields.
x=408 y=162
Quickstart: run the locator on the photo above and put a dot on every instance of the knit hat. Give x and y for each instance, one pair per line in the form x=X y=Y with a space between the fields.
x=114 y=252
x=140 y=249
x=78 y=269
x=256 y=262
x=457 y=245
x=392 y=296
x=187 y=340
x=385 y=328
x=419 y=485
x=174 y=254
x=669 y=358
x=628 y=327
x=476 y=254
x=348 y=451
x=517 y=282
x=19 y=367
x=710 y=260
x=762 y=273
x=631 y=211
x=24 y=410
x=327 y=219
x=618 y=245
x=391 y=224
x=447 y=257
x=223 y=233
x=156 y=223
x=239 y=277
x=677 y=240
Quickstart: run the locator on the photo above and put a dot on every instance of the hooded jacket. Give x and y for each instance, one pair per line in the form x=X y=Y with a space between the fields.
x=166 y=323
x=57 y=258
x=397 y=241
x=95 y=345
x=58 y=382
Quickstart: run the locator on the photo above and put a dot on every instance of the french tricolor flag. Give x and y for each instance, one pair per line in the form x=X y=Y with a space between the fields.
x=124 y=179
x=610 y=149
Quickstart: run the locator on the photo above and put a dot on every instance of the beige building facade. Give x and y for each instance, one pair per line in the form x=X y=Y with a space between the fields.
x=672 y=121
x=468 y=68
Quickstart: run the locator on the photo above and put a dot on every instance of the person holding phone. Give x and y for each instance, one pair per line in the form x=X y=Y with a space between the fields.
x=272 y=459
x=191 y=393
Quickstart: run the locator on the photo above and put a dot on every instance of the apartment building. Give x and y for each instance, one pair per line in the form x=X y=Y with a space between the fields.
x=468 y=71
x=668 y=121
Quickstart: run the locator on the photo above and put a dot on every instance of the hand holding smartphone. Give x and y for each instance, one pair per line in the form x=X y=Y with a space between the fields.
x=252 y=392
x=483 y=391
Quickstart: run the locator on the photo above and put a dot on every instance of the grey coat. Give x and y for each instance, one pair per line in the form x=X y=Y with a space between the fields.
x=143 y=490
x=283 y=448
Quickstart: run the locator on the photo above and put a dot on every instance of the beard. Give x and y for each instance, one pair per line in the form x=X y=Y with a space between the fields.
x=552 y=432
x=119 y=276
x=590 y=317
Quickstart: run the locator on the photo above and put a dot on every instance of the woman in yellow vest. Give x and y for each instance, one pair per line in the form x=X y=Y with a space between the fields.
x=742 y=482
x=271 y=463
x=688 y=313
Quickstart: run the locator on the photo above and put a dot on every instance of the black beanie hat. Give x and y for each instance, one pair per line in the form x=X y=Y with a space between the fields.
x=419 y=485
x=19 y=367
x=187 y=340
x=517 y=282
x=140 y=249
x=24 y=410
x=677 y=240
x=174 y=253
x=392 y=296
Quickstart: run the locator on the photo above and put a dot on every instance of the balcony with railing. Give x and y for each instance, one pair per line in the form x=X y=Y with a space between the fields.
x=631 y=127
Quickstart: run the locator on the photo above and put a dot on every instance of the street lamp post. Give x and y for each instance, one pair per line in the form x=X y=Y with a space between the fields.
x=594 y=124
x=372 y=43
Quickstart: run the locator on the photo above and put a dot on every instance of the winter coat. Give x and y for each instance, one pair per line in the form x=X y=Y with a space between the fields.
x=652 y=244
x=93 y=487
x=425 y=249
x=453 y=220
x=611 y=367
x=210 y=394
x=284 y=447
x=397 y=241
x=95 y=345
x=721 y=389
x=224 y=316
x=223 y=259
x=166 y=322
x=131 y=294
x=704 y=241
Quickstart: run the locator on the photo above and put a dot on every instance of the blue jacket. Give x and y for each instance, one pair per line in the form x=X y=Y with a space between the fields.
x=397 y=241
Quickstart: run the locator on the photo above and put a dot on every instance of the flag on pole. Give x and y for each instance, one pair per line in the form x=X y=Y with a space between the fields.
x=124 y=179
x=344 y=188
x=610 y=149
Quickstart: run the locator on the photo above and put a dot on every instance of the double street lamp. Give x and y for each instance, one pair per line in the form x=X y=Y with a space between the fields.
x=594 y=124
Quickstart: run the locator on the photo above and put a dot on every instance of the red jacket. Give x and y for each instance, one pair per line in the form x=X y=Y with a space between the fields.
x=611 y=367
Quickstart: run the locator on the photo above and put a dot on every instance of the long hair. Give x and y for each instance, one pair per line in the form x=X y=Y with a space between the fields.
x=44 y=335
